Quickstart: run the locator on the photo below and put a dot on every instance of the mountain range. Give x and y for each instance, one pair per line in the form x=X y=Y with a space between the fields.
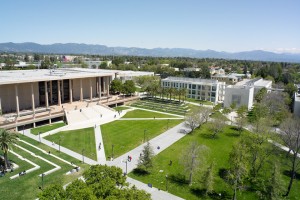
x=75 y=48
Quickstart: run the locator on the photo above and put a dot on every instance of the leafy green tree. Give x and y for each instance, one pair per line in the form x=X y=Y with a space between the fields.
x=129 y=87
x=290 y=88
x=241 y=119
x=238 y=168
x=217 y=125
x=145 y=160
x=53 y=192
x=7 y=139
x=193 y=158
x=260 y=95
x=78 y=190
x=208 y=179
x=290 y=135
x=196 y=117
x=116 y=86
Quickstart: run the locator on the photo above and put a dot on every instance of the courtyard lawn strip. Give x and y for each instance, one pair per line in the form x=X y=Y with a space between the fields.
x=145 y=114
x=26 y=187
x=120 y=108
x=127 y=135
x=46 y=128
x=77 y=140
x=220 y=149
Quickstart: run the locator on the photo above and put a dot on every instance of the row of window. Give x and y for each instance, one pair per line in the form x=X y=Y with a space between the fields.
x=190 y=86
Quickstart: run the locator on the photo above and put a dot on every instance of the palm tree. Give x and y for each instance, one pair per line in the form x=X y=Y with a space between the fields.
x=6 y=139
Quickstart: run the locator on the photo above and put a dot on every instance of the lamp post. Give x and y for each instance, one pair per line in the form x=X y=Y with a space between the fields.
x=126 y=167
x=40 y=136
x=112 y=151
x=59 y=144
x=167 y=182
x=82 y=156
x=43 y=181
x=145 y=135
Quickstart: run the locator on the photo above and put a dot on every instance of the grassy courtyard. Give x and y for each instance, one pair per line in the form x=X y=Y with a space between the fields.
x=120 y=108
x=145 y=114
x=219 y=153
x=127 y=135
x=46 y=128
x=77 y=140
x=27 y=186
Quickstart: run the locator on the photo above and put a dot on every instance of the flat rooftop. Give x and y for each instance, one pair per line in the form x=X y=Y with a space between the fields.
x=23 y=76
x=191 y=80
x=258 y=82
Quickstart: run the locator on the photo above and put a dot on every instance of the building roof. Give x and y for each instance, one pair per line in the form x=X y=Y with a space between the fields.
x=23 y=76
x=191 y=80
x=257 y=82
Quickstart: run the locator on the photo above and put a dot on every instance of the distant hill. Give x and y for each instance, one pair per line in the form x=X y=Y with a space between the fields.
x=74 y=48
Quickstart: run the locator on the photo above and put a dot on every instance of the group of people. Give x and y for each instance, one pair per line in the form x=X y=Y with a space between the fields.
x=129 y=158
x=22 y=173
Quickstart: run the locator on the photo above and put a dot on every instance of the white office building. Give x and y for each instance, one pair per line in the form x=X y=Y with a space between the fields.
x=200 y=89
x=240 y=95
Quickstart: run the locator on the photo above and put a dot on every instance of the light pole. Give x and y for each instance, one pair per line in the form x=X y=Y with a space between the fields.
x=43 y=181
x=59 y=144
x=82 y=156
x=40 y=136
x=145 y=135
x=126 y=167
x=112 y=151
x=167 y=182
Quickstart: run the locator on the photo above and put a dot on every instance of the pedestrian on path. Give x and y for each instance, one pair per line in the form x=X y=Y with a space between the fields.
x=99 y=146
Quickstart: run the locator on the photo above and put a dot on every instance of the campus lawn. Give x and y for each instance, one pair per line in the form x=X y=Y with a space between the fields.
x=199 y=101
x=77 y=140
x=46 y=128
x=120 y=108
x=27 y=186
x=219 y=153
x=146 y=114
x=127 y=135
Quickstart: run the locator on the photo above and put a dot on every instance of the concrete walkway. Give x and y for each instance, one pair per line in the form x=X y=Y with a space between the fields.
x=101 y=158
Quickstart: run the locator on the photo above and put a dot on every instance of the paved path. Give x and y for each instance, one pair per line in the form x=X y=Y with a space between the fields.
x=101 y=158
x=163 y=141
x=124 y=119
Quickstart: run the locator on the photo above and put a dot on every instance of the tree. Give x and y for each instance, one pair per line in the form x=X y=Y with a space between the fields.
x=6 y=139
x=237 y=167
x=208 y=179
x=260 y=95
x=217 y=126
x=197 y=117
x=193 y=158
x=290 y=135
x=290 y=88
x=241 y=120
x=78 y=190
x=145 y=159
x=116 y=86
x=54 y=191
x=129 y=87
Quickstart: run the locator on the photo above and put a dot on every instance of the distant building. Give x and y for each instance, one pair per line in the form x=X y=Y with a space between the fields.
x=94 y=64
x=297 y=102
x=240 y=95
x=199 y=89
x=191 y=69
x=228 y=79
x=257 y=83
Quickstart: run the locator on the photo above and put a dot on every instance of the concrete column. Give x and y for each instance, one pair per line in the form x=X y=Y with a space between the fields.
x=58 y=92
x=17 y=100
x=104 y=88
x=32 y=98
x=0 y=107
x=100 y=79
x=62 y=91
x=108 y=79
x=81 y=92
x=71 y=91
x=51 y=96
x=91 y=89
x=46 y=95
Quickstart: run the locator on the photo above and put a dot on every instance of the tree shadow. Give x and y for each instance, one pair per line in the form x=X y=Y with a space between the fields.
x=288 y=173
x=178 y=179
x=200 y=193
x=208 y=136
x=232 y=134
x=223 y=173
x=140 y=172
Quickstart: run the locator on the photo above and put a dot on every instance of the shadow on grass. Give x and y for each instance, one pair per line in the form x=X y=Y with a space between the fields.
x=208 y=136
x=140 y=172
x=289 y=173
x=178 y=179
x=223 y=173
x=201 y=193
x=233 y=134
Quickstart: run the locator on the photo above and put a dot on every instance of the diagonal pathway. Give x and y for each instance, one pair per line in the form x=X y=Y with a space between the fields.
x=101 y=158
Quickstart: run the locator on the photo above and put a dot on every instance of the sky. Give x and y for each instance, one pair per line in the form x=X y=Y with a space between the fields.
x=221 y=25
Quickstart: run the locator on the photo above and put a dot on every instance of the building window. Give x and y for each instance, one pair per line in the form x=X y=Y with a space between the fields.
x=194 y=87
x=214 y=88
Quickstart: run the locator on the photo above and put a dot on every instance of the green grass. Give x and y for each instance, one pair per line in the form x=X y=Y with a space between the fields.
x=127 y=135
x=26 y=187
x=199 y=101
x=120 y=108
x=219 y=153
x=145 y=114
x=76 y=140
x=46 y=128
